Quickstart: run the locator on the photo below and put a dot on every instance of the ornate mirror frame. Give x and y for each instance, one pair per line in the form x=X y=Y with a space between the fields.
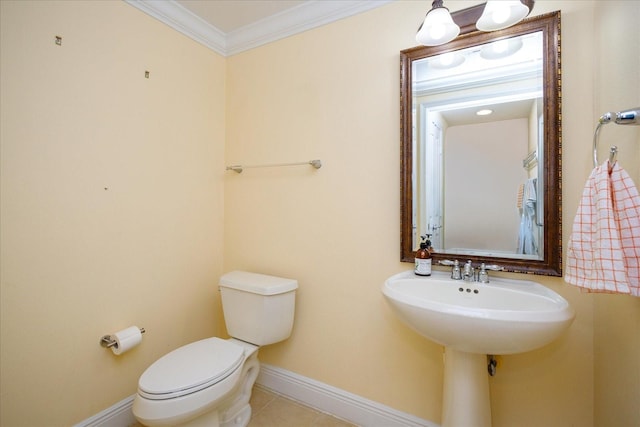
x=549 y=25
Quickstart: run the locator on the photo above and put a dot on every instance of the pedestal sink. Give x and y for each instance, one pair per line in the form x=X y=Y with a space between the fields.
x=471 y=320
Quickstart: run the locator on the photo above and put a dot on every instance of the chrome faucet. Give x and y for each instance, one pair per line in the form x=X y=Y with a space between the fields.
x=468 y=272
x=483 y=276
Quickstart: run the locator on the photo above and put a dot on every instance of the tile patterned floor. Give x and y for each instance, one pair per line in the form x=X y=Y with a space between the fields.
x=272 y=410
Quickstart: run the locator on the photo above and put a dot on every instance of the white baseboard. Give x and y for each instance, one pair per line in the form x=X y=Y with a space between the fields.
x=342 y=404
x=118 y=415
x=312 y=393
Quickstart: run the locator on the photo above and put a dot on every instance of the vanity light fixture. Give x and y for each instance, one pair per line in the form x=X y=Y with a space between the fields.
x=499 y=14
x=439 y=27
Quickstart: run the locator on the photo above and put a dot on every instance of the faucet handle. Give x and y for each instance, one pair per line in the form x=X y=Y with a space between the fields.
x=483 y=276
x=456 y=274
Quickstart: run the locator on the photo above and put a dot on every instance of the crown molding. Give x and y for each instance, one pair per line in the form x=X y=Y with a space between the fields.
x=301 y=18
x=183 y=20
x=296 y=20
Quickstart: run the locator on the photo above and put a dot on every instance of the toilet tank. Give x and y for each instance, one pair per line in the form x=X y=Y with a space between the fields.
x=258 y=308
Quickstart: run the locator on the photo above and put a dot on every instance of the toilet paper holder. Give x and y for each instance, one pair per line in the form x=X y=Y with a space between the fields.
x=107 y=341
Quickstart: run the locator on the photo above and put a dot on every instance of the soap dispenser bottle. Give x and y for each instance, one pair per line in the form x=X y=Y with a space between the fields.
x=423 y=258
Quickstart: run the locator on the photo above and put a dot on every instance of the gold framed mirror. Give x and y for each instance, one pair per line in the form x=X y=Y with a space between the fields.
x=485 y=189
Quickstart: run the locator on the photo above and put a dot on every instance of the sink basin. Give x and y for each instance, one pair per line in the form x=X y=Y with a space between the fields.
x=501 y=317
x=471 y=320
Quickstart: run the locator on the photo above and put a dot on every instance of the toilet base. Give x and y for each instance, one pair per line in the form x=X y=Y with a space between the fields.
x=237 y=412
x=208 y=419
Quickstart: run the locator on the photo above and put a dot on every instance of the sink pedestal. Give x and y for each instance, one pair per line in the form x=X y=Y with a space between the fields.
x=466 y=390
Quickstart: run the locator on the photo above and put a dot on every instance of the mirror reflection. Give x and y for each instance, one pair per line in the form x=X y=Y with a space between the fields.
x=480 y=126
x=477 y=114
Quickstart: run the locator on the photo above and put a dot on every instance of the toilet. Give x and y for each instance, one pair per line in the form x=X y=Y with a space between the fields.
x=209 y=382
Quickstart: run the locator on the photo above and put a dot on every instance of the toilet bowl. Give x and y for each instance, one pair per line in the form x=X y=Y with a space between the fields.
x=209 y=382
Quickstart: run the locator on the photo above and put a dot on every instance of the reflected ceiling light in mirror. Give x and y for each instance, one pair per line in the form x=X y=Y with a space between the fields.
x=499 y=14
x=438 y=26
x=448 y=60
x=501 y=48
x=484 y=112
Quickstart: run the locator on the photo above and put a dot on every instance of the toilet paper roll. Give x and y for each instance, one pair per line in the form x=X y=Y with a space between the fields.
x=126 y=339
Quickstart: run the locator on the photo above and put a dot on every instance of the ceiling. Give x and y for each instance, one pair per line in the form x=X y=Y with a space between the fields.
x=230 y=15
x=520 y=109
x=233 y=26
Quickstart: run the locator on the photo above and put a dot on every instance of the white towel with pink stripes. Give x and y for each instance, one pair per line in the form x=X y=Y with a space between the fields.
x=603 y=254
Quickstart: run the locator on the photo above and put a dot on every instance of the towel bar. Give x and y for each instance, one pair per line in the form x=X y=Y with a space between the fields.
x=239 y=168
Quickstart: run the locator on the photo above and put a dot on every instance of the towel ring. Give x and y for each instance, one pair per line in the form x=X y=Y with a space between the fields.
x=613 y=152
x=625 y=117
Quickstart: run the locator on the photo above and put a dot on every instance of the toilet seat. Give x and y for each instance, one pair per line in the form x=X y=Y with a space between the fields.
x=190 y=368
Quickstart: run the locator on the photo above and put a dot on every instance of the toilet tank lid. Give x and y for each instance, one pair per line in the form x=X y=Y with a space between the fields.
x=261 y=284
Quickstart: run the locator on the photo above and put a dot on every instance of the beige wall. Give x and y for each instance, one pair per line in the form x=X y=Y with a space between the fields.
x=112 y=197
x=616 y=317
x=332 y=93
x=71 y=249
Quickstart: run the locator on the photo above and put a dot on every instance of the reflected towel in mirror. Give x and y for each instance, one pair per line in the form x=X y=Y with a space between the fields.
x=603 y=254
x=527 y=243
x=520 y=196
